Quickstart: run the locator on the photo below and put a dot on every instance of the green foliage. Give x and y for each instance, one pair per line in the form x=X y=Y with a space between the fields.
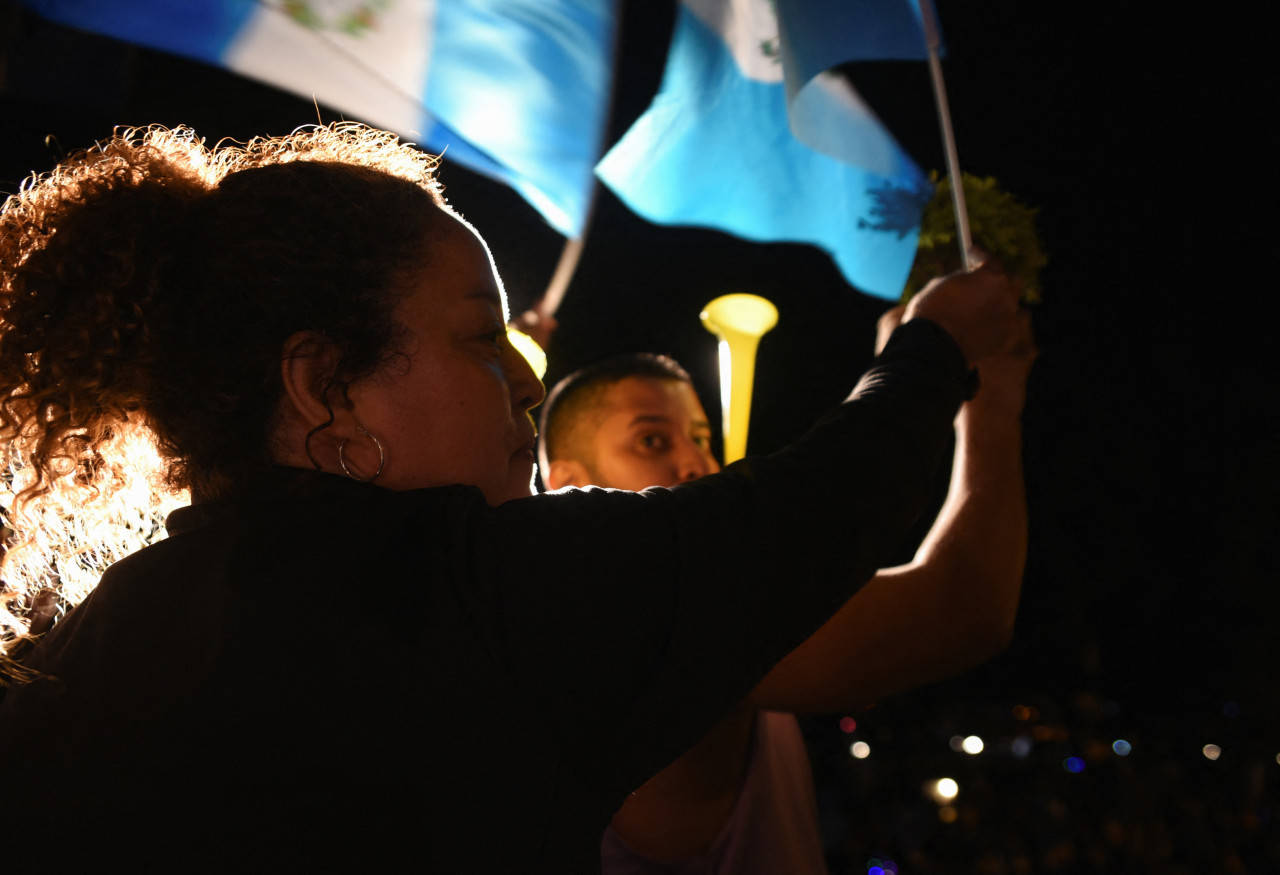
x=998 y=223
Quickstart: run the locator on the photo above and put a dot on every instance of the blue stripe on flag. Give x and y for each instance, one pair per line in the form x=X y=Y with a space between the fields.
x=195 y=29
x=715 y=149
x=823 y=33
x=527 y=82
x=515 y=89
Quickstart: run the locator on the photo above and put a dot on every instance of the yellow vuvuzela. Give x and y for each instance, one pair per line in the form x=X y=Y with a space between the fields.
x=739 y=321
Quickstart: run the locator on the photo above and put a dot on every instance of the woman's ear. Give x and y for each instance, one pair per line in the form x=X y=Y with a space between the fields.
x=307 y=364
x=303 y=436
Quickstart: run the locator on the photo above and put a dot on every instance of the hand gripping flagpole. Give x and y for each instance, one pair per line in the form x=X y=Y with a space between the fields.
x=934 y=41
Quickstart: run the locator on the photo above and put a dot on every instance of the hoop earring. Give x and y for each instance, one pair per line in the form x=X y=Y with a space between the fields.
x=382 y=457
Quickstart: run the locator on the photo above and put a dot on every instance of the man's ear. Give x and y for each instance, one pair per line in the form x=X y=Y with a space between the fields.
x=307 y=363
x=567 y=472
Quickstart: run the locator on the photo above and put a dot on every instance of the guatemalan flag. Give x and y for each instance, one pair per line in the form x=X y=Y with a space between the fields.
x=516 y=89
x=752 y=133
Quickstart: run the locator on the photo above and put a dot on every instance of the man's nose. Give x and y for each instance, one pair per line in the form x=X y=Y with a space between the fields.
x=695 y=462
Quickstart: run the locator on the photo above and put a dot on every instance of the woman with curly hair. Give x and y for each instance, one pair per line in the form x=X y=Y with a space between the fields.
x=343 y=653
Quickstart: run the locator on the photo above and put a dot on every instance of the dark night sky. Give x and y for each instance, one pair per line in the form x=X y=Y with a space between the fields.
x=1151 y=435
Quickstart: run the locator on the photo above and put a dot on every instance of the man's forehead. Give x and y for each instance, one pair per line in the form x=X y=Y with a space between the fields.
x=650 y=397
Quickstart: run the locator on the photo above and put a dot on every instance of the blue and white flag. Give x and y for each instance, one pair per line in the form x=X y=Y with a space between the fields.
x=753 y=134
x=516 y=89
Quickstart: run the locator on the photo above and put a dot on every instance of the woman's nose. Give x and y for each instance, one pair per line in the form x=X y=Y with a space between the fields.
x=527 y=390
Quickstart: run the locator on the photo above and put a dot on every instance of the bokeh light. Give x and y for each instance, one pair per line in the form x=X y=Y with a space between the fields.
x=848 y=724
x=1074 y=765
x=1121 y=747
x=860 y=750
x=942 y=790
x=972 y=745
x=947 y=814
x=1021 y=746
x=1211 y=751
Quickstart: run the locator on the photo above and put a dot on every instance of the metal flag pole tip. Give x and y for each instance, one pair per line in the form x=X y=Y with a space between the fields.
x=969 y=257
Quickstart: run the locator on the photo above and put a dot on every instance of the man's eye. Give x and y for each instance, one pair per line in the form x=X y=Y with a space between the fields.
x=703 y=441
x=653 y=441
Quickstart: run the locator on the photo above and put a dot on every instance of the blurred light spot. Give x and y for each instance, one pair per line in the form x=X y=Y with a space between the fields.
x=956 y=743
x=1074 y=765
x=890 y=867
x=1021 y=746
x=947 y=814
x=943 y=789
x=1042 y=733
x=1121 y=747
x=876 y=870
x=529 y=348
x=1022 y=712
x=1231 y=709
x=848 y=724
x=860 y=750
x=972 y=745
x=1211 y=751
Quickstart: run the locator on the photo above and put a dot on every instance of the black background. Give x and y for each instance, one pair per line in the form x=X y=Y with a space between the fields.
x=1151 y=426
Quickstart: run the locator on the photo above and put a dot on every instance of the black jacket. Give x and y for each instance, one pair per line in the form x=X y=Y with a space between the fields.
x=329 y=674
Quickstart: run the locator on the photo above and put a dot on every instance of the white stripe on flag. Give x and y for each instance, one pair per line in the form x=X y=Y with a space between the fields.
x=750 y=29
x=377 y=74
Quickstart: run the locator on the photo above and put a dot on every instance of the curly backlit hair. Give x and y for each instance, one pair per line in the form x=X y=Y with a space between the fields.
x=147 y=287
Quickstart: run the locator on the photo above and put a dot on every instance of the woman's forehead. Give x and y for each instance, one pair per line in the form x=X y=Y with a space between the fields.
x=456 y=270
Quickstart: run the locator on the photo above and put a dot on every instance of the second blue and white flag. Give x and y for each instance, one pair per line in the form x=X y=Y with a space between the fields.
x=751 y=133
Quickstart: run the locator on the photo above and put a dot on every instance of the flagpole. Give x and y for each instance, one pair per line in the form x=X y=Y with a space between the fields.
x=934 y=42
x=565 y=269
x=571 y=254
x=539 y=321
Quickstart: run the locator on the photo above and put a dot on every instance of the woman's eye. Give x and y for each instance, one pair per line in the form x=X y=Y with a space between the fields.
x=497 y=338
x=652 y=441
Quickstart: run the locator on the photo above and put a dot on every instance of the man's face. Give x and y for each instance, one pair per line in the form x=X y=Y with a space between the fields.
x=650 y=432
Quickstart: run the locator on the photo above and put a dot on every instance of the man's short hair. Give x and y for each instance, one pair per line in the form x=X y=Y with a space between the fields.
x=575 y=398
